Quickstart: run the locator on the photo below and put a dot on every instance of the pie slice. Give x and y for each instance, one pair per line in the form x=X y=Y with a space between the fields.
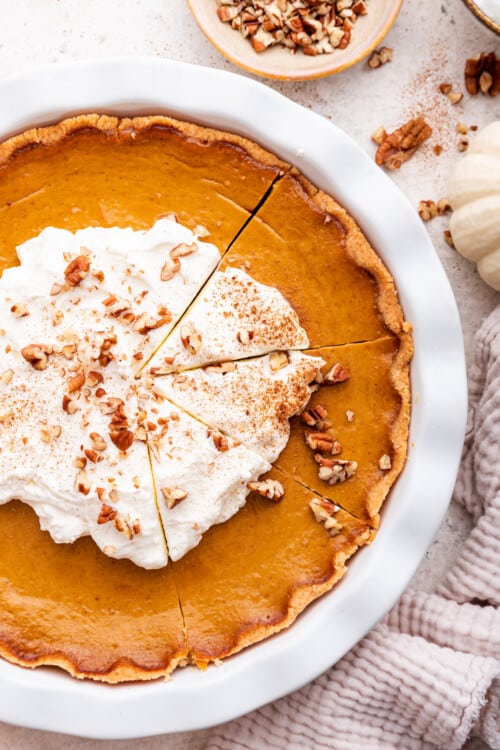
x=250 y=400
x=302 y=242
x=253 y=575
x=94 y=170
x=71 y=606
x=366 y=411
x=201 y=475
x=239 y=318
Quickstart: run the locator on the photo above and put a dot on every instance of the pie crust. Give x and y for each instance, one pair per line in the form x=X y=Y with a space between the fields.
x=71 y=606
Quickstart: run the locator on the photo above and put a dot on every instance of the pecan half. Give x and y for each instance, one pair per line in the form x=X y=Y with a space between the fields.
x=77 y=270
x=482 y=74
x=399 y=146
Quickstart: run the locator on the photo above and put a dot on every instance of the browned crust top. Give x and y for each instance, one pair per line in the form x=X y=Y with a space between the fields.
x=109 y=125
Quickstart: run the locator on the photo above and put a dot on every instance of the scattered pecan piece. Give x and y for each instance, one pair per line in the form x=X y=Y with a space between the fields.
x=482 y=74
x=336 y=374
x=380 y=57
x=107 y=513
x=76 y=382
x=20 y=310
x=270 y=488
x=77 y=270
x=428 y=210
x=173 y=496
x=37 y=355
x=147 y=322
x=399 y=146
x=191 y=338
x=82 y=482
x=278 y=360
x=324 y=511
x=221 y=442
x=123 y=439
x=335 y=470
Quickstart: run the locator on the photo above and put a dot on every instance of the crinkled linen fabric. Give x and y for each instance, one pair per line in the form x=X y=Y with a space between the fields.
x=428 y=675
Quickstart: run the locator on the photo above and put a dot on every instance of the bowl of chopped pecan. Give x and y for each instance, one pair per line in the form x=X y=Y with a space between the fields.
x=295 y=39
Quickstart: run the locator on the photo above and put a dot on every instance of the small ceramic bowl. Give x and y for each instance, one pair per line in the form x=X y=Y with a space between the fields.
x=278 y=62
x=487 y=11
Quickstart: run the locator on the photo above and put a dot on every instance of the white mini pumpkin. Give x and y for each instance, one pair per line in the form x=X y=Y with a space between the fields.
x=474 y=195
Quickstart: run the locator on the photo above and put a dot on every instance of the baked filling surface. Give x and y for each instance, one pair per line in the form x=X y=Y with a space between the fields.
x=311 y=505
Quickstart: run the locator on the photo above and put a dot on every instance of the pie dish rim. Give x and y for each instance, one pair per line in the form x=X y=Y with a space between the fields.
x=129 y=86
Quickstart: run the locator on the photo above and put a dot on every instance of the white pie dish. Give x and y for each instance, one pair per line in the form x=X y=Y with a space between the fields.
x=48 y=699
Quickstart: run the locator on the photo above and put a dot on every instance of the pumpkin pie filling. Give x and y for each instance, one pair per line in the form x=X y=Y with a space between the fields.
x=70 y=605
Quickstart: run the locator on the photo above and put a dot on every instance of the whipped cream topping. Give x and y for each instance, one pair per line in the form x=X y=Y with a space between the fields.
x=250 y=400
x=64 y=463
x=131 y=285
x=201 y=476
x=97 y=450
x=234 y=317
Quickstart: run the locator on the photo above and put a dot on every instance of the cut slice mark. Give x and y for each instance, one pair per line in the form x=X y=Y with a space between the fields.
x=394 y=423
x=202 y=288
x=318 y=495
x=373 y=523
x=220 y=362
x=23 y=198
x=170 y=562
x=206 y=425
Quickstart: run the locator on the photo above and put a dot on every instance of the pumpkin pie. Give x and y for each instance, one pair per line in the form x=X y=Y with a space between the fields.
x=228 y=398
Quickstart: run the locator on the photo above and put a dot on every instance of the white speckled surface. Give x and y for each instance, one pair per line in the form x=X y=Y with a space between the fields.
x=430 y=40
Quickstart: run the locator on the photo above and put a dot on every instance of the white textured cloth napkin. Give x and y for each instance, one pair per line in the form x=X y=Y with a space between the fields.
x=428 y=676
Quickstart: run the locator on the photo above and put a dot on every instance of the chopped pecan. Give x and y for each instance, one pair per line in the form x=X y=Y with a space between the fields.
x=107 y=513
x=69 y=405
x=98 y=442
x=191 y=338
x=335 y=470
x=244 y=337
x=82 y=482
x=482 y=74
x=147 y=322
x=336 y=374
x=221 y=368
x=20 y=310
x=173 y=496
x=221 y=442
x=324 y=511
x=76 y=382
x=123 y=439
x=380 y=57
x=399 y=146
x=270 y=488
x=6 y=376
x=77 y=270
x=37 y=355
x=278 y=360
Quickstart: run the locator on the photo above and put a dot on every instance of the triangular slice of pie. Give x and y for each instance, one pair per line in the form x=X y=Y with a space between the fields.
x=351 y=442
x=250 y=400
x=253 y=575
x=234 y=317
